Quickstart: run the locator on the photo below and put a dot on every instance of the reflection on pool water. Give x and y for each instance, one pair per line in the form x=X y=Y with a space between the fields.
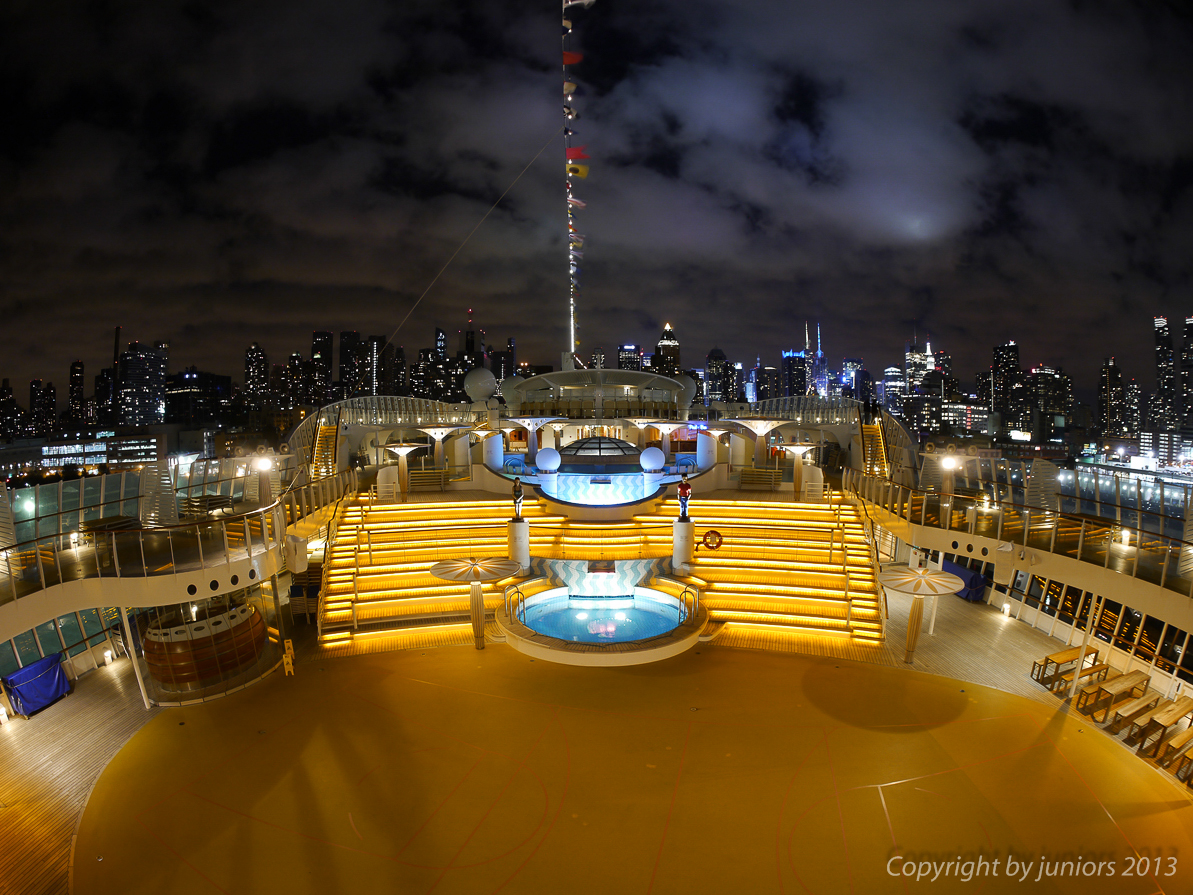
x=645 y=613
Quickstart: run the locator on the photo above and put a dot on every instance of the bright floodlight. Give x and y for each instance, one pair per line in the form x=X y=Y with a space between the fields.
x=264 y=464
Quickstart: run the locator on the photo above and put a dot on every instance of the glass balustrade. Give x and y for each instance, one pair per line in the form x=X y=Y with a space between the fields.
x=1135 y=542
x=51 y=559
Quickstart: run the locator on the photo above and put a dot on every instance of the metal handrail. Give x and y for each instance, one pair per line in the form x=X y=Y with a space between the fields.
x=1094 y=532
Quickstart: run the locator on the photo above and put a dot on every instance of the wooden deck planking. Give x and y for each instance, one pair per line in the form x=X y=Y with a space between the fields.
x=49 y=765
x=973 y=642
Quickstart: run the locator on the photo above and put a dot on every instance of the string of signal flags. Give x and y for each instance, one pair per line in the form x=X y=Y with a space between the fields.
x=574 y=158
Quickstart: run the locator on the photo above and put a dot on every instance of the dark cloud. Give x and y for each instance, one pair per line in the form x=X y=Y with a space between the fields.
x=217 y=173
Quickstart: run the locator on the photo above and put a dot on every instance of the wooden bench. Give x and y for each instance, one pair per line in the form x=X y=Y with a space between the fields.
x=1046 y=670
x=1125 y=686
x=428 y=479
x=1140 y=722
x=1097 y=672
x=1129 y=710
x=1174 y=747
x=1089 y=693
x=1162 y=722
x=1181 y=765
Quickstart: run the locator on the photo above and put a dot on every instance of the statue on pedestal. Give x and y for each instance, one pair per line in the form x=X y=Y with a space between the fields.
x=684 y=491
x=518 y=495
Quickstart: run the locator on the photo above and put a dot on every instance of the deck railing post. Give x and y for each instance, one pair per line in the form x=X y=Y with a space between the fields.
x=41 y=573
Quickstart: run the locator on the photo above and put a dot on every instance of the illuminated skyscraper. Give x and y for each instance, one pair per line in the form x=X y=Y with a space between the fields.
x=143 y=384
x=1111 y=403
x=1006 y=377
x=349 y=363
x=629 y=357
x=893 y=389
x=1186 y=408
x=716 y=374
x=915 y=365
x=666 y=357
x=321 y=348
x=256 y=375
x=76 y=398
x=1165 y=416
x=793 y=374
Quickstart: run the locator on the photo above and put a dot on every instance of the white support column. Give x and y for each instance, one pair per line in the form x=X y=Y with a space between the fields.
x=131 y=649
x=1095 y=613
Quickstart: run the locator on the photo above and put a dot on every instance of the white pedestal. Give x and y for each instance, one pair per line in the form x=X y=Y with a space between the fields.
x=683 y=545
x=518 y=541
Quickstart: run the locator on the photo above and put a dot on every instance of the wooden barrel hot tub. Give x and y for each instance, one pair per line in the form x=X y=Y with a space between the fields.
x=185 y=656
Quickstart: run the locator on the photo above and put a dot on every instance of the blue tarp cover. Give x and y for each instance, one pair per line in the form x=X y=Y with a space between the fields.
x=36 y=686
x=975 y=583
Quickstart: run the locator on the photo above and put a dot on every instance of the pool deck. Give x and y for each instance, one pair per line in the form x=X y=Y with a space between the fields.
x=453 y=770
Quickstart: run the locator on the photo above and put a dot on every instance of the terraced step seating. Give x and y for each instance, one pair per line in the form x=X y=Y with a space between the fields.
x=783 y=567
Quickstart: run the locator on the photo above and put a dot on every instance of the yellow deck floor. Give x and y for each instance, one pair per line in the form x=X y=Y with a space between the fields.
x=723 y=770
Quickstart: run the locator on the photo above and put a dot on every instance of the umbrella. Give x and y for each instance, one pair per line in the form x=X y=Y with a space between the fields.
x=475 y=571
x=918 y=582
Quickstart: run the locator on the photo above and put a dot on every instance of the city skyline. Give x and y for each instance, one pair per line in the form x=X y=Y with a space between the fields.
x=220 y=177
x=693 y=359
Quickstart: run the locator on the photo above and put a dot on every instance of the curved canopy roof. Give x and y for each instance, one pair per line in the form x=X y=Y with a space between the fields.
x=575 y=380
x=599 y=446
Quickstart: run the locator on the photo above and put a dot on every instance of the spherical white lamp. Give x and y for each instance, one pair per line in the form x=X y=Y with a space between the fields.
x=480 y=384
x=548 y=460
x=652 y=459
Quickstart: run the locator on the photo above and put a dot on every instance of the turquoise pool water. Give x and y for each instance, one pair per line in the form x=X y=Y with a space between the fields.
x=644 y=614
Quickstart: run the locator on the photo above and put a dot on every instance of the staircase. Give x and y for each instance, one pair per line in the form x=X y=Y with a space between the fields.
x=323 y=459
x=874 y=449
x=379 y=591
x=787 y=567
x=782 y=568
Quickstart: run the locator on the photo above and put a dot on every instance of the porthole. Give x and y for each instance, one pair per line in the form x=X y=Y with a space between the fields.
x=215 y=585
x=191 y=589
x=984 y=551
x=252 y=574
x=969 y=548
x=954 y=545
x=235 y=579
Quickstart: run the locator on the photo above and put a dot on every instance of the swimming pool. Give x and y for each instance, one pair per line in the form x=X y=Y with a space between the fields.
x=641 y=615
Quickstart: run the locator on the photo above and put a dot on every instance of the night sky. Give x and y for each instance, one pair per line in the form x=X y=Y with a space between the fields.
x=214 y=173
